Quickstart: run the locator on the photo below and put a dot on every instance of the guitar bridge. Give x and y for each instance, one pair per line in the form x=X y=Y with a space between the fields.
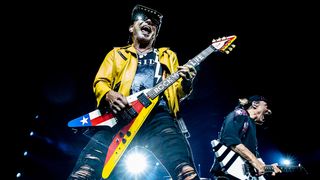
x=127 y=115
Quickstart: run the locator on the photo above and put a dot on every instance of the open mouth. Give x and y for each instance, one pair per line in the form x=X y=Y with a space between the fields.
x=146 y=29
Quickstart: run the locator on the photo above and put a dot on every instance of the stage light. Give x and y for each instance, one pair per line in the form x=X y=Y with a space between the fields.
x=18 y=175
x=139 y=18
x=25 y=153
x=136 y=162
x=286 y=162
x=31 y=133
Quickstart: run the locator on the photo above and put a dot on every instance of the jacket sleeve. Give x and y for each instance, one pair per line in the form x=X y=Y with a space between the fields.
x=104 y=80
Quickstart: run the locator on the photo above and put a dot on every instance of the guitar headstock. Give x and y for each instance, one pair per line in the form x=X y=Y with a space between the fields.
x=224 y=44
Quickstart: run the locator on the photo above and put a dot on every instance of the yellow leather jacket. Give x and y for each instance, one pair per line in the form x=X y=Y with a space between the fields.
x=118 y=70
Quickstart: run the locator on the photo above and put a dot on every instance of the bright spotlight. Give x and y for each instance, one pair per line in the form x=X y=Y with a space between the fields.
x=139 y=18
x=18 y=175
x=31 y=133
x=286 y=162
x=136 y=163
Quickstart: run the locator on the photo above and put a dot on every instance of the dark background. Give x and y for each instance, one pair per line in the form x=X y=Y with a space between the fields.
x=58 y=47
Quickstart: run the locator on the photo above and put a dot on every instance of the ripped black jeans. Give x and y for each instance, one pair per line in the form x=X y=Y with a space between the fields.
x=160 y=134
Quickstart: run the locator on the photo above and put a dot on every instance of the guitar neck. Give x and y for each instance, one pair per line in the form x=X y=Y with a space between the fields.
x=163 y=85
x=284 y=169
x=201 y=56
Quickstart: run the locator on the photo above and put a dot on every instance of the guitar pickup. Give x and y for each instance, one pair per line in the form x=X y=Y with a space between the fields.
x=132 y=112
x=144 y=100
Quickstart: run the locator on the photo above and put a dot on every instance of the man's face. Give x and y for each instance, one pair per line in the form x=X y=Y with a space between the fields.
x=143 y=29
x=261 y=110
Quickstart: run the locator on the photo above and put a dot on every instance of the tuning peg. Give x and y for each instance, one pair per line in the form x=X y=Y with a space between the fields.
x=227 y=52
x=219 y=39
x=233 y=45
x=230 y=48
x=223 y=38
x=214 y=40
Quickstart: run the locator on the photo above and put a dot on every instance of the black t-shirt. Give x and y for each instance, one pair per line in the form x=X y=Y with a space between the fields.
x=148 y=74
x=238 y=128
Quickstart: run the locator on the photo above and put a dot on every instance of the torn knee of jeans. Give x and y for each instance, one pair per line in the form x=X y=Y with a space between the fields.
x=187 y=173
x=91 y=157
x=168 y=131
x=98 y=151
x=84 y=172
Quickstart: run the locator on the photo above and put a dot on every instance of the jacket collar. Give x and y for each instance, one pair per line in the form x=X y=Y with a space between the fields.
x=161 y=51
x=132 y=50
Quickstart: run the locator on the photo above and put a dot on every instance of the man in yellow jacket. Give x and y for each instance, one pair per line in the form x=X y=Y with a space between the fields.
x=129 y=70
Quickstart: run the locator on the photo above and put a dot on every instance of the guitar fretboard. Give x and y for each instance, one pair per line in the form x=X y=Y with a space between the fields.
x=163 y=85
x=285 y=169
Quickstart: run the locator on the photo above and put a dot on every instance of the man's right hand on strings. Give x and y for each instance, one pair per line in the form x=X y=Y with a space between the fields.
x=117 y=102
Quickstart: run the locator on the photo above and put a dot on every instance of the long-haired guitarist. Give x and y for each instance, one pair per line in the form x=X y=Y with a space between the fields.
x=128 y=70
x=238 y=132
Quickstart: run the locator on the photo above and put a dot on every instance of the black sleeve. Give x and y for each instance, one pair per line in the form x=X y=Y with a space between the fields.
x=231 y=132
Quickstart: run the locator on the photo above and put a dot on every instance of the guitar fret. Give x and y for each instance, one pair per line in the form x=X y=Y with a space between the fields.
x=268 y=168
x=163 y=85
x=201 y=56
x=287 y=169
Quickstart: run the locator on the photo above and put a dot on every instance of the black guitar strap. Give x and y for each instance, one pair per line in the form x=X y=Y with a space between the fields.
x=183 y=126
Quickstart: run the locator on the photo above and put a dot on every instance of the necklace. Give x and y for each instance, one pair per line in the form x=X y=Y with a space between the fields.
x=143 y=53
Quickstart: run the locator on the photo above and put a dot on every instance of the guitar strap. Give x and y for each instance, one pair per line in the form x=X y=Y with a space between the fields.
x=241 y=111
x=244 y=128
x=182 y=126
x=243 y=131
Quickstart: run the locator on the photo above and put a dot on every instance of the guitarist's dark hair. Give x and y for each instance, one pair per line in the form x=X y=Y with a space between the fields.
x=245 y=103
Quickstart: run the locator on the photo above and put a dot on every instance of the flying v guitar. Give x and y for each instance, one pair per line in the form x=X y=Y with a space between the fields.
x=142 y=104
